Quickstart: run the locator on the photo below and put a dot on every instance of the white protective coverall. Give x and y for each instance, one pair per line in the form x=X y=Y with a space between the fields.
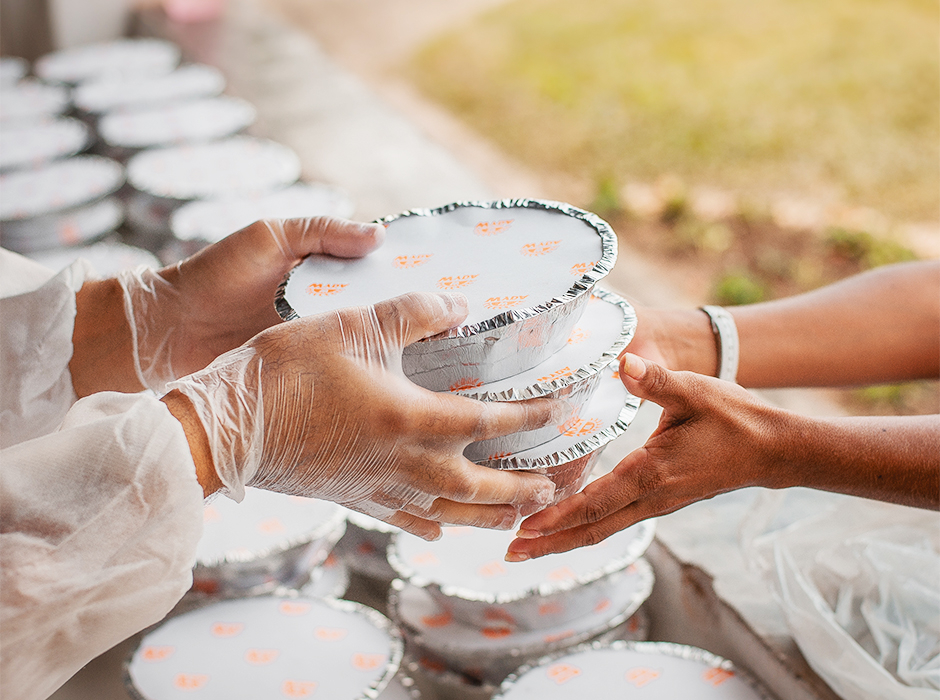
x=100 y=509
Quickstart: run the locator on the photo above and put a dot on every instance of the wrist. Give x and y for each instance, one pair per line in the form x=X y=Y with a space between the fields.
x=688 y=341
x=182 y=409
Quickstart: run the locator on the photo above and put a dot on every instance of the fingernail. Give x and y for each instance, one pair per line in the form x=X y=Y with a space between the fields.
x=528 y=534
x=432 y=536
x=516 y=556
x=632 y=366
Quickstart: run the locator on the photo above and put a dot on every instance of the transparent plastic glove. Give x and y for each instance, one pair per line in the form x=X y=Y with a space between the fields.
x=320 y=407
x=184 y=316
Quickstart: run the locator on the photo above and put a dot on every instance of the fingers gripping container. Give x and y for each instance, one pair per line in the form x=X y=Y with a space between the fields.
x=653 y=670
x=487 y=654
x=527 y=266
x=267 y=647
x=267 y=540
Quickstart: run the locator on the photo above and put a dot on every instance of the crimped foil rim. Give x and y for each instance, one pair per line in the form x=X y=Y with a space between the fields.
x=538 y=389
x=634 y=551
x=582 y=449
x=584 y=284
x=446 y=677
x=682 y=651
x=329 y=531
x=396 y=645
x=647 y=578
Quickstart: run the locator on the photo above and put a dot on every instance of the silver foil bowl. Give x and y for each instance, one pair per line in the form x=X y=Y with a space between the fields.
x=486 y=655
x=661 y=670
x=498 y=253
x=364 y=546
x=465 y=574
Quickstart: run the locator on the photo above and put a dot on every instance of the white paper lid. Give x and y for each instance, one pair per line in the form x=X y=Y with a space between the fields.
x=204 y=119
x=238 y=165
x=122 y=57
x=468 y=562
x=268 y=647
x=32 y=144
x=653 y=670
x=502 y=259
x=186 y=82
x=12 y=70
x=107 y=258
x=214 y=219
x=57 y=185
x=329 y=580
x=263 y=523
x=30 y=99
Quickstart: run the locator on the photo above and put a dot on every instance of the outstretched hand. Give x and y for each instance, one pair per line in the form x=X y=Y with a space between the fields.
x=186 y=315
x=713 y=437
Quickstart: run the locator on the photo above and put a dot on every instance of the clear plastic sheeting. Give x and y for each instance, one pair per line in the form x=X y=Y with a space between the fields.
x=859 y=585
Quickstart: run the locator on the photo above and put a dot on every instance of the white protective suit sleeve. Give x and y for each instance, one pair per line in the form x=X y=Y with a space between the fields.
x=99 y=519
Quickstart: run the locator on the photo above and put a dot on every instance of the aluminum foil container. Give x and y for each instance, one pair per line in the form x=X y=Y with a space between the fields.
x=267 y=540
x=12 y=70
x=364 y=546
x=107 y=258
x=527 y=267
x=211 y=220
x=29 y=100
x=654 y=670
x=635 y=629
x=488 y=653
x=185 y=83
x=63 y=230
x=122 y=58
x=465 y=573
x=572 y=374
x=31 y=144
x=329 y=580
x=438 y=681
x=267 y=647
x=402 y=687
x=128 y=131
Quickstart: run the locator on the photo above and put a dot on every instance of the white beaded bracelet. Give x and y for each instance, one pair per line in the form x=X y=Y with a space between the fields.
x=728 y=348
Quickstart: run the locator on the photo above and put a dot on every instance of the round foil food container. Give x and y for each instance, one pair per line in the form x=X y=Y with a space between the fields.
x=267 y=647
x=465 y=573
x=32 y=144
x=206 y=119
x=527 y=267
x=107 y=258
x=120 y=58
x=438 y=681
x=635 y=629
x=267 y=540
x=185 y=83
x=489 y=653
x=573 y=373
x=12 y=70
x=329 y=580
x=402 y=687
x=30 y=99
x=57 y=186
x=211 y=220
x=655 y=670
x=365 y=544
x=64 y=229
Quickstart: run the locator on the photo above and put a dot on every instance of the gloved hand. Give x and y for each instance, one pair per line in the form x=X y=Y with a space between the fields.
x=320 y=407
x=184 y=316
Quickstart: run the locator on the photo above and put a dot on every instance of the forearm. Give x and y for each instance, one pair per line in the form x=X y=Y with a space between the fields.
x=893 y=459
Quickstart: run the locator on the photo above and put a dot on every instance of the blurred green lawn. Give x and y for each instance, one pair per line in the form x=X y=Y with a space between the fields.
x=757 y=96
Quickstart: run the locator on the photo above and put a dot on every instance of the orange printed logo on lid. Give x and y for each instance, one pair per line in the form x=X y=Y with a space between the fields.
x=602 y=605
x=557 y=374
x=557 y=637
x=69 y=232
x=227 y=629
x=288 y=607
x=581 y=268
x=426 y=558
x=505 y=302
x=717 y=676
x=330 y=634
x=319 y=289
x=641 y=676
x=156 y=653
x=431 y=664
x=440 y=620
x=578 y=335
x=562 y=673
x=536 y=249
x=495 y=632
x=499 y=455
x=561 y=574
x=366 y=662
x=499 y=615
x=465 y=383
x=455 y=282
x=491 y=569
x=271 y=526
x=577 y=426
x=492 y=228
x=190 y=681
x=404 y=262
x=551 y=608
x=298 y=689
x=210 y=514
x=366 y=548
x=260 y=657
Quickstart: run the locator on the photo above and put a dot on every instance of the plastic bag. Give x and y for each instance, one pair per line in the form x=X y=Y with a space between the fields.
x=859 y=585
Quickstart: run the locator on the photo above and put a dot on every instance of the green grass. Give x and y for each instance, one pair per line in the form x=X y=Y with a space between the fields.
x=841 y=96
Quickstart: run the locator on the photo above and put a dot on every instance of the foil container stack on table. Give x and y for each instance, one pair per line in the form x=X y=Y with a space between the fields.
x=30 y=144
x=268 y=647
x=653 y=670
x=122 y=58
x=364 y=547
x=12 y=70
x=463 y=610
x=29 y=100
x=107 y=257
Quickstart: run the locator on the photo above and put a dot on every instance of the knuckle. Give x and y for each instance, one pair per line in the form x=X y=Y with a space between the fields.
x=594 y=535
